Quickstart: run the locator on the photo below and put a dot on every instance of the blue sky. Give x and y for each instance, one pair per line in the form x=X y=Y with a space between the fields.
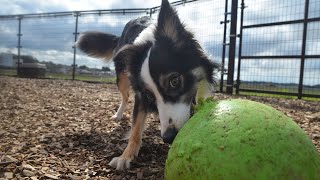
x=51 y=39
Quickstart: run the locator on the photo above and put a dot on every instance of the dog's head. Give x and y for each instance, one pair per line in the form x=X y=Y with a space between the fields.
x=169 y=70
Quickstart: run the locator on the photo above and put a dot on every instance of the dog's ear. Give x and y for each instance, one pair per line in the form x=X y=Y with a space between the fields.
x=169 y=24
x=207 y=82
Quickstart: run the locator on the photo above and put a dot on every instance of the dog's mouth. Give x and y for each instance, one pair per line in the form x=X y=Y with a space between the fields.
x=173 y=117
x=169 y=135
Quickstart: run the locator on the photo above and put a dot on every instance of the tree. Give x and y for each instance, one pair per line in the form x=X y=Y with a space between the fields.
x=29 y=59
x=106 y=69
x=83 y=67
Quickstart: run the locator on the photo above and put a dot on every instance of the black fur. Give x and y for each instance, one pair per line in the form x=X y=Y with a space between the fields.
x=176 y=64
x=96 y=43
x=176 y=52
x=168 y=15
x=132 y=57
x=179 y=53
x=132 y=30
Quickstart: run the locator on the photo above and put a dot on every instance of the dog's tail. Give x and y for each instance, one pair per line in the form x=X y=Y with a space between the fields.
x=97 y=44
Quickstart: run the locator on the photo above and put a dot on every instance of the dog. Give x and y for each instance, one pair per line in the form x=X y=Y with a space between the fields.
x=163 y=64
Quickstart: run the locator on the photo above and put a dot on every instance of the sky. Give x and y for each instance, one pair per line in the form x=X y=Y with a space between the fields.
x=41 y=6
x=51 y=39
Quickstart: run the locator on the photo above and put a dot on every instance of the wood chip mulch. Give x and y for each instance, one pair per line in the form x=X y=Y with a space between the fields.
x=58 y=129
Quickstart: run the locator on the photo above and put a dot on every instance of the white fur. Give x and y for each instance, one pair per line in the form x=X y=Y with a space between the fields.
x=118 y=116
x=179 y=112
x=120 y=163
x=146 y=35
x=146 y=76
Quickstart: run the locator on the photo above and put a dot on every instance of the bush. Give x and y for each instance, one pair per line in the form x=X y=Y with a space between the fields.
x=32 y=70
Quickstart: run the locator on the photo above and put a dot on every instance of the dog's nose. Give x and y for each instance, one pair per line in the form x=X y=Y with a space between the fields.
x=169 y=135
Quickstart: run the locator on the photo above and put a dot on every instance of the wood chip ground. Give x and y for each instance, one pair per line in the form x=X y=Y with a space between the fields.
x=59 y=129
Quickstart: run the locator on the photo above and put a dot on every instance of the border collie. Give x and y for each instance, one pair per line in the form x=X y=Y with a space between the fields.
x=164 y=65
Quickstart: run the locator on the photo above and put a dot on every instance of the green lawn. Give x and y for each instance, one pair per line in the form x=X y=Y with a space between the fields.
x=68 y=76
x=276 y=88
x=110 y=79
x=107 y=79
x=8 y=72
x=82 y=77
x=278 y=96
x=285 y=89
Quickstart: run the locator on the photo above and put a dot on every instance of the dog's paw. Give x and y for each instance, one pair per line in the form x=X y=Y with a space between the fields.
x=116 y=118
x=120 y=163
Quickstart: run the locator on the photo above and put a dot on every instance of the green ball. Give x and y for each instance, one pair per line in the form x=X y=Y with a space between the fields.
x=241 y=139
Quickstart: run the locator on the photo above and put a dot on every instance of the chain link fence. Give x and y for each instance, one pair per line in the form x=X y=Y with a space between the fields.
x=48 y=38
x=280 y=48
x=268 y=46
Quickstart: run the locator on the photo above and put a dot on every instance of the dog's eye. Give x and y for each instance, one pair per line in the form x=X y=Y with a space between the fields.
x=175 y=82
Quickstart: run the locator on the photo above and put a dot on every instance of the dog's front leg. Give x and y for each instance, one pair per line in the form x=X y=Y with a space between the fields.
x=135 y=139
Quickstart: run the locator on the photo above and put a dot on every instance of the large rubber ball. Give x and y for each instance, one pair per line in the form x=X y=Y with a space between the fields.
x=241 y=139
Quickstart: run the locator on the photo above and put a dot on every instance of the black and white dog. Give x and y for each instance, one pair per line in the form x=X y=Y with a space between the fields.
x=164 y=65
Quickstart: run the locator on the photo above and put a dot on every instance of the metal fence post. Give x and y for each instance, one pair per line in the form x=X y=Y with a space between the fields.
x=240 y=47
x=19 y=44
x=150 y=11
x=232 y=47
x=224 y=43
x=74 y=48
x=303 y=49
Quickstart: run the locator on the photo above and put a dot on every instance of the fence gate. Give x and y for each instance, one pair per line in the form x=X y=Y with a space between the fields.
x=278 y=48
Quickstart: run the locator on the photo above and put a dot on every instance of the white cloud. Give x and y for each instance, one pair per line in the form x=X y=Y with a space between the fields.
x=49 y=41
x=38 y=6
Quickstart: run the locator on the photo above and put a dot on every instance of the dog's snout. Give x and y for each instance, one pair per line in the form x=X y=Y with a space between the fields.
x=169 y=135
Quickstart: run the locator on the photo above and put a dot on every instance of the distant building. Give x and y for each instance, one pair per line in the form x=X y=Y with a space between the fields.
x=7 y=60
x=84 y=71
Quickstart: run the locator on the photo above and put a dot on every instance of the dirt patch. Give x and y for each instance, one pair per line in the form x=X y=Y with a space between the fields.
x=62 y=130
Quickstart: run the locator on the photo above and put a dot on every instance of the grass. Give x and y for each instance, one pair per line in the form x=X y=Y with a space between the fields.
x=106 y=79
x=267 y=95
x=8 y=72
x=288 y=89
x=67 y=76
x=109 y=79
x=277 y=96
x=82 y=77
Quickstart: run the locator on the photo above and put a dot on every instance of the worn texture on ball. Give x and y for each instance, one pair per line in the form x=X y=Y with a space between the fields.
x=241 y=139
